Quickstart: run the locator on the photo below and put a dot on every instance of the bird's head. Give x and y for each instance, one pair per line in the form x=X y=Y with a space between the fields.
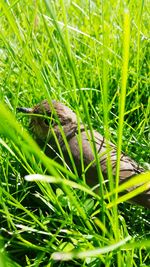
x=47 y=115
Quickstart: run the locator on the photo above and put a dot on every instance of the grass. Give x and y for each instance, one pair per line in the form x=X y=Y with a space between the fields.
x=94 y=57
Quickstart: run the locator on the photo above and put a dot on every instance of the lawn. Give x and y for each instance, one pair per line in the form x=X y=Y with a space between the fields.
x=94 y=57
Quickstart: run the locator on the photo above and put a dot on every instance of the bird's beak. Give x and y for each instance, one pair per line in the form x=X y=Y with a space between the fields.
x=25 y=110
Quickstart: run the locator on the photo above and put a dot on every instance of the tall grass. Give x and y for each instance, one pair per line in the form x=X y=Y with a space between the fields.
x=94 y=57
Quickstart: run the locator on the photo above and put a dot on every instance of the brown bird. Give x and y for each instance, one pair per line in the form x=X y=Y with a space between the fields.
x=50 y=121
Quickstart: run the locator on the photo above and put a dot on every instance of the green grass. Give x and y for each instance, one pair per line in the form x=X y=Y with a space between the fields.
x=94 y=57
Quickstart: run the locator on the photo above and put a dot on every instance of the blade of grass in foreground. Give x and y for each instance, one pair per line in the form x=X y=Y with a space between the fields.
x=91 y=253
x=122 y=98
x=5 y=261
x=140 y=180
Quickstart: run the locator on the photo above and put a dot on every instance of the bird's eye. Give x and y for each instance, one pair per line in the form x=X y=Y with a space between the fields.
x=46 y=121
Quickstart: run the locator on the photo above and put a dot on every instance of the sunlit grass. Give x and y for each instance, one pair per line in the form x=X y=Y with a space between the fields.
x=94 y=58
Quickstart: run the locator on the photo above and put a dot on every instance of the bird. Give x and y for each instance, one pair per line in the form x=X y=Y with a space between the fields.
x=51 y=120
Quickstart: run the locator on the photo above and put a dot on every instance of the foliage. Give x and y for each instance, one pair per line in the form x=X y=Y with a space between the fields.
x=75 y=52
